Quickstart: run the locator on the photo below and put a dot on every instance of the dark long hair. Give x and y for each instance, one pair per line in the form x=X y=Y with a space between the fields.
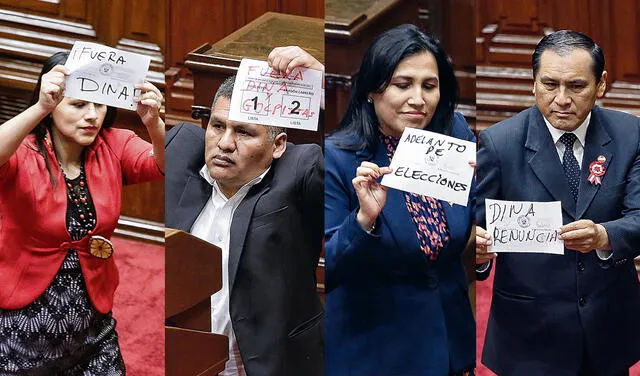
x=40 y=131
x=359 y=128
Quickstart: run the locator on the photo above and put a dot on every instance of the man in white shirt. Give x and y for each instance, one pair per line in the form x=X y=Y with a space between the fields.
x=245 y=189
x=577 y=313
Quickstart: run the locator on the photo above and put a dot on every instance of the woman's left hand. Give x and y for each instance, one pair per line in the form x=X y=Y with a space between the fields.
x=149 y=103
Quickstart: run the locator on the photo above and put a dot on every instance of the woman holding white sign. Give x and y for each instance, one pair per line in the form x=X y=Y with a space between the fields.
x=62 y=167
x=397 y=300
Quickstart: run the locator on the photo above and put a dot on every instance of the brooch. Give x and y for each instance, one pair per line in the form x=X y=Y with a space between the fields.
x=100 y=247
x=597 y=170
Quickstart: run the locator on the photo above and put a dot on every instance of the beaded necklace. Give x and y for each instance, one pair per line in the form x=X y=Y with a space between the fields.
x=78 y=195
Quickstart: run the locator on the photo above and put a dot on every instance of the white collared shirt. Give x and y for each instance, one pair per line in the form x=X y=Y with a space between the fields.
x=578 y=147
x=214 y=225
x=578 y=152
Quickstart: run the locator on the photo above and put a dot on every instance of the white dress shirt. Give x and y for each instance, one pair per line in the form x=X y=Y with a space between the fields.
x=214 y=225
x=578 y=147
x=578 y=152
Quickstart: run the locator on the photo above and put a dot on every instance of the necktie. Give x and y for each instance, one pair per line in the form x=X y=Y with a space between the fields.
x=570 y=163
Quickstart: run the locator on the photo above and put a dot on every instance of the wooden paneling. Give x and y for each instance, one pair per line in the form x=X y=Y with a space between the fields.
x=507 y=33
x=32 y=30
x=207 y=22
x=44 y=7
x=457 y=36
x=350 y=28
x=27 y=38
x=76 y=9
x=623 y=56
x=352 y=25
x=204 y=21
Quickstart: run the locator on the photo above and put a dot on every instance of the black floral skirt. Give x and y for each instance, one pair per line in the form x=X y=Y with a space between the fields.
x=60 y=333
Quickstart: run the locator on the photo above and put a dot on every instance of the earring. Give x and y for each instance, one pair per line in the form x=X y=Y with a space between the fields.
x=369 y=100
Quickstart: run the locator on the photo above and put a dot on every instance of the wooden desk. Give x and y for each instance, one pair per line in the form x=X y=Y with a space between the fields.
x=193 y=274
x=212 y=64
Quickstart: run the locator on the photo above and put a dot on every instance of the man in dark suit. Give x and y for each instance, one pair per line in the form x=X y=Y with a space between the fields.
x=244 y=188
x=577 y=313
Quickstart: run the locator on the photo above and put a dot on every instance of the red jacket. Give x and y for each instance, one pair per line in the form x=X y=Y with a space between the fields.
x=33 y=232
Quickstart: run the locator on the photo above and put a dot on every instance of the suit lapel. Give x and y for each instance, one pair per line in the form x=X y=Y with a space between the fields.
x=596 y=144
x=240 y=224
x=544 y=161
x=192 y=200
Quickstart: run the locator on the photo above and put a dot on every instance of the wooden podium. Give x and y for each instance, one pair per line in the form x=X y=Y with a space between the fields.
x=193 y=274
x=212 y=64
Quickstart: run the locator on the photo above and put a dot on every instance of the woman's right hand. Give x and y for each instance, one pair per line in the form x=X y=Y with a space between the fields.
x=52 y=87
x=372 y=195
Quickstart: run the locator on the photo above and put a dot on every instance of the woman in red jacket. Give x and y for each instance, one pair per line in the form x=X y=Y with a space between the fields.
x=62 y=168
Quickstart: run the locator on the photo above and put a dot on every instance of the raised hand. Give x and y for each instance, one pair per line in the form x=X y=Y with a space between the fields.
x=149 y=103
x=52 y=87
x=286 y=59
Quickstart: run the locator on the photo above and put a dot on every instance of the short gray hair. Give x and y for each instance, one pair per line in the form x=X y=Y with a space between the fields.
x=226 y=89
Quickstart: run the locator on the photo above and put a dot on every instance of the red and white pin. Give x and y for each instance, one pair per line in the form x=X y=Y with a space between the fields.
x=597 y=170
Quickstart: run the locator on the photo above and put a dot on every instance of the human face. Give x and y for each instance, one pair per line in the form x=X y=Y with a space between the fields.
x=411 y=98
x=236 y=153
x=566 y=89
x=77 y=122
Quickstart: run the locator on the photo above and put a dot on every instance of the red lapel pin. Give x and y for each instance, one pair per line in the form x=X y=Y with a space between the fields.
x=597 y=170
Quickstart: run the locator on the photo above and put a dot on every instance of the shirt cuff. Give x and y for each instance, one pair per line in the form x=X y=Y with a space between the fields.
x=483 y=267
x=603 y=254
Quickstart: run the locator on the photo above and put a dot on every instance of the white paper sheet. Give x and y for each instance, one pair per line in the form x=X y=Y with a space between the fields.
x=523 y=226
x=102 y=74
x=261 y=96
x=432 y=164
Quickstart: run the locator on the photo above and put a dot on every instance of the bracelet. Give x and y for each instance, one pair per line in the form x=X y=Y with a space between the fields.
x=373 y=227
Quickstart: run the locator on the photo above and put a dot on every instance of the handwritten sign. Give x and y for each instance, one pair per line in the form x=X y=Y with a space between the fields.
x=102 y=74
x=262 y=96
x=432 y=164
x=523 y=226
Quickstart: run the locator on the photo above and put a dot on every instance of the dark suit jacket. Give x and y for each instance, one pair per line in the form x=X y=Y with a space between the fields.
x=276 y=239
x=548 y=310
x=390 y=310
